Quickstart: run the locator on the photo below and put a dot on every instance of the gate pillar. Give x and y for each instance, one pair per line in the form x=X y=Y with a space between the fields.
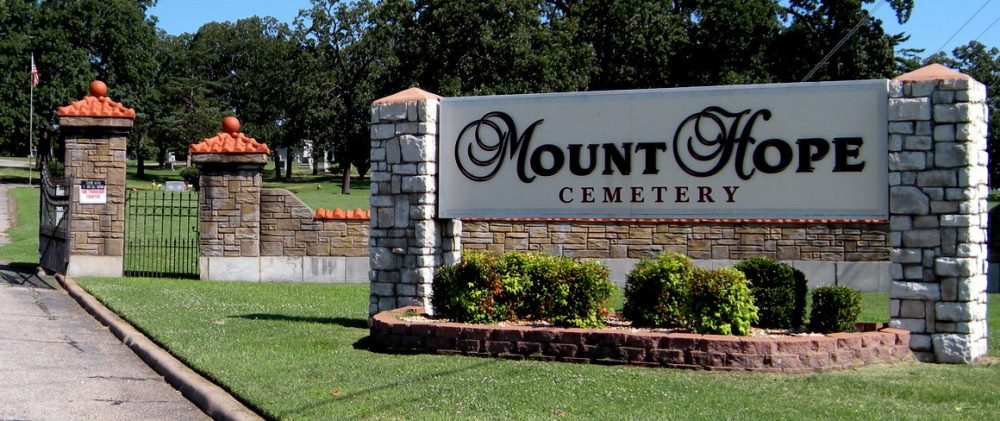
x=408 y=241
x=938 y=213
x=230 y=165
x=95 y=129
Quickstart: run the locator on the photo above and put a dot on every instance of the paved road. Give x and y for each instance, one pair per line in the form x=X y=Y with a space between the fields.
x=58 y=363
x=13 y=163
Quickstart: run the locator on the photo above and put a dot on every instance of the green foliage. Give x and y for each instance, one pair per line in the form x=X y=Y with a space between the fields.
x=720 y=302
x=191 y=176
x=485 y=288
x=777 y=292
x=656 y=291
x=834 y=309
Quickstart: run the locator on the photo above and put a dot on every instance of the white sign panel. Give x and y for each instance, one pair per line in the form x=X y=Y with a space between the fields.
x=93 y=192
x=788 y=151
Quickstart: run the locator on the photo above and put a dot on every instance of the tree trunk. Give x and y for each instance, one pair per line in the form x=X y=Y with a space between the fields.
x=140 y=157
x=345 y=179
x=277 y=165
x=288 y=164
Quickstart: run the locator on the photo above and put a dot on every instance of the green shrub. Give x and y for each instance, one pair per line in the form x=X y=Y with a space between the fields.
x=656 y=291
x=567 y=292
x=485 y=288
x=801 y=289
x=191 y=176
x=720 y=302
x=470 y=291
x=834 y=309
x=776 y=292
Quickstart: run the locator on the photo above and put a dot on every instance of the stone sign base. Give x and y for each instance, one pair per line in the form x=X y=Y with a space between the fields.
x=791 y=354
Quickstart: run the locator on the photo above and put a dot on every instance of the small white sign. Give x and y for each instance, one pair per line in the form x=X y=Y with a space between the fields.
x=796 y=151
x=93 y=192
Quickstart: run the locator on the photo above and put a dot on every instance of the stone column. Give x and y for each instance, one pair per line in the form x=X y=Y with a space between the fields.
x=230 y=166
x=407 y=240
x=937 y=201
x=95 y=129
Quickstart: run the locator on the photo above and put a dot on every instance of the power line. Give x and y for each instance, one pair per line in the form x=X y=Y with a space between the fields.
x=963 y=26
x=841 y=43
x=988 y=28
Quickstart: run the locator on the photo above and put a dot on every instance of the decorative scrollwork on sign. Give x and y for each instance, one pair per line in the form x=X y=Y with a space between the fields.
x=713 y=135
x=482 y=146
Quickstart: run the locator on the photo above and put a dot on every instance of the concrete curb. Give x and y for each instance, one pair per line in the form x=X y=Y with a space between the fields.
x=207 y=396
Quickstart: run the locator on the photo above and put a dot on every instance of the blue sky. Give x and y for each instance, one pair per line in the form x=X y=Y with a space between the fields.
x=932 y=23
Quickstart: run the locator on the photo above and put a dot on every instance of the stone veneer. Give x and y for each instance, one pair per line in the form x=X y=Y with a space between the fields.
x=407 y=240
x=95 y=129
x=831 y=241
x=229 y=202
x=288 y=227
x=794 y=354
x=938 y=188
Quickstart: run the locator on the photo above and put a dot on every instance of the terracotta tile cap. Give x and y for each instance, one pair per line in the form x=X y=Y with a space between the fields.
x=404 y=96
x=97 y=104
x=931 y=72
x=356 y=214
x=230 y=142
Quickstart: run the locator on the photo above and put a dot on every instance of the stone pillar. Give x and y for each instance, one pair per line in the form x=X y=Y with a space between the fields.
x=407 y=240
x=95 y=129
x=937 y=201
x=230 y=166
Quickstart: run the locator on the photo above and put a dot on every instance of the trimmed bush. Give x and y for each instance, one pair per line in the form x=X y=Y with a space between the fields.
x=656 y=291
x=779 y=297
x=470 y=291
x=720 y=302
x=801 y=289
x=191 y=175
x=834 y=309
x=485 y=288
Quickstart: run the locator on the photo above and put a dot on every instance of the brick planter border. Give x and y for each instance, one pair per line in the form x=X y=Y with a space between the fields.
x=795 y=354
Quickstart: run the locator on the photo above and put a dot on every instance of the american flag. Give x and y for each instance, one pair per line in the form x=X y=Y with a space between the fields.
x=34 y=72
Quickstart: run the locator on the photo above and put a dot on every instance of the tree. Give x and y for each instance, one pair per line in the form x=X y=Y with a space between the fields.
x=816 y=28
x=73 y=42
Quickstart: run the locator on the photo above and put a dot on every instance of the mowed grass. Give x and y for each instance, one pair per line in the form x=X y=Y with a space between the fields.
x=295 y=351
x=23 y=236
x=316 y=191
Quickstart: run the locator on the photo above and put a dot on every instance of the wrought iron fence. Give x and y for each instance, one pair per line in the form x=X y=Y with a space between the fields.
x=53 y=222
x=161 y=233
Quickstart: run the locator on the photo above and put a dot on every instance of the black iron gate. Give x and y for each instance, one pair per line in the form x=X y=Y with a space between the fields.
x=161 y=233
x=53 y=222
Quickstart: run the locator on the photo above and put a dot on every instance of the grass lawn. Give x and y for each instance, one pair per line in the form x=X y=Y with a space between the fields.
x=296 y=351
x=317 y=191
x=23 y=246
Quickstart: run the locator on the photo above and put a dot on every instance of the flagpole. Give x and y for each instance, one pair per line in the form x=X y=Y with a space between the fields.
x=31 y=117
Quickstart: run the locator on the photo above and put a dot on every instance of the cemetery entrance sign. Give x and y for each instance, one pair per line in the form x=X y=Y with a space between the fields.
x=780 y=151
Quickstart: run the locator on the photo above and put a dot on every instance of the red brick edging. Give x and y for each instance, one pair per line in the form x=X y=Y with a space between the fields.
x=610 y=346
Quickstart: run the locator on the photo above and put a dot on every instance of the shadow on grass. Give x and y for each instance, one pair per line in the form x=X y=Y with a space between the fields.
x=436 y=376
x=341 y=321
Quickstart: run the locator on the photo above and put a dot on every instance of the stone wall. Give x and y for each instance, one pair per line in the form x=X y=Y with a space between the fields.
x=938 y=188
x=290 y=228
x=788 y=354
x=831 y=241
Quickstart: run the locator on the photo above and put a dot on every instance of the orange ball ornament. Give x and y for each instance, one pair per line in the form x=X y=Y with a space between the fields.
x=230 y=125
x=98 y=89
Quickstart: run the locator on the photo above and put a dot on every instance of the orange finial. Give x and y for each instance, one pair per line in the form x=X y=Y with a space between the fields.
x=230 y=125
x=98 y=89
